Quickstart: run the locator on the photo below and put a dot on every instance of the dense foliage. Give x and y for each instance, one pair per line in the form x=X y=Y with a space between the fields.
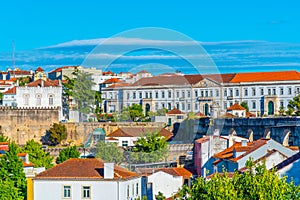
x=37 y=155
x=256 y=183
x=109 y=152
x=65 y=154
x=294 y=106
x=13 y=181
x=245 y=105
x=152 y=148
x=57 y=133
x=132 y=113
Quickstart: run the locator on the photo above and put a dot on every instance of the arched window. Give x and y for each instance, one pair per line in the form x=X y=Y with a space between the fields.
x=26 y=99
x=51 y=99
x=38 y=99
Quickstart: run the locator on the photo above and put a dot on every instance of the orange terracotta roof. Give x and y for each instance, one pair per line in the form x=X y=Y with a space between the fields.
x=236 y=106
x=11 y=91
x=117 y=85
x=206 y=139
x=266 y=76
x=112 y=80
x=30 y=164
x=3 y=143
x=47 y=83
x=19 y=72
x=200 y=114
x=111 y=138
x=107 y=73
x=39 y=69
x=175 y=111
x=174 y=171
x=61 y=68
x=251 y=146
x=249 y=114
x=22 y=154
x=82 y=169
x=162 y=80
x=139 y=132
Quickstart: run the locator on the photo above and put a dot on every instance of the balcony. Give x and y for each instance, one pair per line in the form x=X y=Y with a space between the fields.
x=205 y=98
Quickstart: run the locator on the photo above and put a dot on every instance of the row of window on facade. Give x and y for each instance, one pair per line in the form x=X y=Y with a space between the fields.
x=210 y=93
x=86 y=192
x=38 y=99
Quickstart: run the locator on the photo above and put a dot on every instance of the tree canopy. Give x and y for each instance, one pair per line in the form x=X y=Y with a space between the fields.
x=57 y=133
x=294 y=106
x=256 y=183
x=109 y=152
x=152 y=148
x=65 y=154
x=245 y=105
x=132 y=113
x=13 y=181
x=37 y=155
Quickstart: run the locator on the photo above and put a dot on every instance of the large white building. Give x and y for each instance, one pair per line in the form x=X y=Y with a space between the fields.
x=264 y=92
x=79 y=179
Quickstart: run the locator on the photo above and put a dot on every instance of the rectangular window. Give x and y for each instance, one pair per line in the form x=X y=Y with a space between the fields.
x=137 y=189
x=183 y=106
x=237 y=93
x=189 y=106
x=274 y=91
x=290 y=91
x=188 y=94
x=217 y=93
x=196 y=93
x=253 y=105
x=177 y=94
x=225 y=93
x=128 y=95
x=281 y=104
x=202 y=94
x=206 y=93
x=269 y=91
x=177 y=106
x=211 y=93
x=183 y=95
x=86 y=192
x=230 y=92
x=246 y=92
x=196 y=106
x=128 y=191
x=146 y=95
x=253 y=92
x=281 y=91
x=125 y=143
x=51 y=100
x=156 y=95
x=163 y=105
x=156 y=106
x=169 y=94
x=67 y=191
x=134 y=95
x=132 y=189
x=140 y=95
x=225 y=105
x=162 y=94
x=150 y=95
x=261 y=91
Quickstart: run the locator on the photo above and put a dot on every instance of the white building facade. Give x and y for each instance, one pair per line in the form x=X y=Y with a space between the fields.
x=264 y=92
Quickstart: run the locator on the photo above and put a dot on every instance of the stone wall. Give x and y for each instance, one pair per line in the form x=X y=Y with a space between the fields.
x=22 y=124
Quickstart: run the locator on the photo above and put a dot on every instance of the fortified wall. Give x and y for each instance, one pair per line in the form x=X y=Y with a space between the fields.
x=22 y=124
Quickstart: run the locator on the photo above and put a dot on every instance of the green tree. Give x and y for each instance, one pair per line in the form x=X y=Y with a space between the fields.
x=9 y=191
x=37 y=155
x=3 y=138
x=160 y=196
x=98 y=102
x=12 y=174
x=256 y=183
x=57 y=133
x=65 y=154
x=245 y=105
x=152 y=148
x=294 y=106
x=133 y=113
x=109 y=152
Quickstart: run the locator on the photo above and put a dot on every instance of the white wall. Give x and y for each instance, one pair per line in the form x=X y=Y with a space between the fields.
x=110 y=190
x=164 y=183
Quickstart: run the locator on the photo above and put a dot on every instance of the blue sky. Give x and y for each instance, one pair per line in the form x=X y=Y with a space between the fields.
x=34 y=24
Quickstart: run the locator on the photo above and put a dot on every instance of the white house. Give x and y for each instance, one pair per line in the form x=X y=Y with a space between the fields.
x=9 y=97
x=166 y=180
x=236 y=156
x=92 y=178
x=127 y=136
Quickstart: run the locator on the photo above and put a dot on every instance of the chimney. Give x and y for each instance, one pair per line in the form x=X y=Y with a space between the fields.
x=244 y=143
x=109 y=170
x=230 y=141
x=42 y=83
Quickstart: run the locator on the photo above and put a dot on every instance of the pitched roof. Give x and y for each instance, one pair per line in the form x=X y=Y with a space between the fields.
x=11 y=91
x=117 y=85
x=112 y=80
x=47 y=83
x=143 y=72
x=174 y=171
x=249 y=148
x=266 y=76
x=175 y=111
x=61 y=68
x=39 y=69
x=84 y=169
x=236 y=106
x=19 y=72
x=200 y=114
x=162 y=80
x=287 y=161
x=139 y=132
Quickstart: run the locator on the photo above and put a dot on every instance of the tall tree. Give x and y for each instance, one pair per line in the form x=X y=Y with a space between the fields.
x=133 y=113
x=245 y=105
x=98 y=102
x=11 y=172
x=65 y=154
x=294 y=106
x=57 y=133
x=37 y=155
x=109 y=152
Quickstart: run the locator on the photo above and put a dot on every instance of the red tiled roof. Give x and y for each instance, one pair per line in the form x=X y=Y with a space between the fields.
x=19 y=72
x=175 y=111
x=266 y=76
x=61 y=68
x=80 y=168
x=112 y=138
x=174 y=171
x=200 y=114
x=162 y=80
x=117 y=85
x=47 y=83
x=39 y=69
x=112 y=80
x=22 y=154
x=236 y=106
x=139 y=132
x=251 y=146
x=107 y=73
x=11 y=91
x=249 y=114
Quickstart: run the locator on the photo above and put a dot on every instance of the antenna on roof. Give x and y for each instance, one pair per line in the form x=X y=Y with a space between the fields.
x=13 y=55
